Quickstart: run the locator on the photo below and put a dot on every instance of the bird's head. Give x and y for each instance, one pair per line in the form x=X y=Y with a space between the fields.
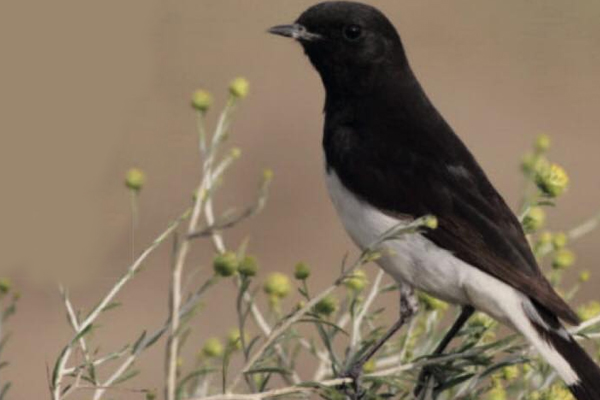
x=345 y=41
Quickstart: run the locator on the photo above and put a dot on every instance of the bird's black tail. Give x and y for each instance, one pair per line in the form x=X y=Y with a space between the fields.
x=579 y=372
x=588 y=385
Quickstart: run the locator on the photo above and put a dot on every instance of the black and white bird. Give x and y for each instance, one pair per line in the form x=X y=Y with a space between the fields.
x=390 y=157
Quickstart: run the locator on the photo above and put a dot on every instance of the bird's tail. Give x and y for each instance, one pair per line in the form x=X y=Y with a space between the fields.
x=579 y=372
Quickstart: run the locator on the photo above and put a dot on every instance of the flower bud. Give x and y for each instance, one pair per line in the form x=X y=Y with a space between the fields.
x=559 y=240
x=277 y=285
x=584 y=276
x=369 y=366
x=430 y=222
x=510 y=373
x=226 y=264
x=234 y=340
x=356 y=281
x=248 y=266
x=542 y=143
x=497 y=393
x=431 y=303
x=589 y=310
x=212 y=348
x=563 y=258
x=552 y=180
x=239 y=87
x=134 y=179
x=5 y=285
x=534 y=220
x=267 y=175
x=326 y=306
x=201 y=100
x=301 y=271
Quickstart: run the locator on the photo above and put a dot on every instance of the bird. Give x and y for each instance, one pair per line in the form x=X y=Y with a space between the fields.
x=390 y=157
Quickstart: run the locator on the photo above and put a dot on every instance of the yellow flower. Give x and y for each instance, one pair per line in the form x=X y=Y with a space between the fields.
x=277 y=285
x=542 y=143
x=430 y=222
x=134 y=179
x=552 y=180
x=5 y=285
x=534 y=220
x=563 y=258
x=239 y=87
x=234 y=341
x=431 y=303
x=356 y=281
x=589 y=310
x=213 y=348
x=584 y=276
x=510 y=373
x=201 y=100
x=559 y=240
x=369 y=366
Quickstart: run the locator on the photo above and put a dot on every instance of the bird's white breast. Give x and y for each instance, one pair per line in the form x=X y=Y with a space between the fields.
x=413 y=259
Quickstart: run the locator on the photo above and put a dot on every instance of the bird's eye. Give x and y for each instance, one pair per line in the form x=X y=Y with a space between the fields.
x=352 y=32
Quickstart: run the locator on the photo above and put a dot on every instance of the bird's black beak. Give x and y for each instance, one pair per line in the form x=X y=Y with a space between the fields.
x=295 y=31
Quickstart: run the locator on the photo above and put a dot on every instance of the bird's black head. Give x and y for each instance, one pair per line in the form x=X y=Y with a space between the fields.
x=348 y=43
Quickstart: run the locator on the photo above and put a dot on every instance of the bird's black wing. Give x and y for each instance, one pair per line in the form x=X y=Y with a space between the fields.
x=442 y=178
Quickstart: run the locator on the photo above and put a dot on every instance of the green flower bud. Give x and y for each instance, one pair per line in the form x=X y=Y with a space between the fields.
x=239 y=87
x=542 y=143
x=589 y=311
x=202 y=100
x=559 y=240
x=268 y=175
x=510 y=373
x=431 y=222
x=5 y=285
x=134 y=179
x=563 y=258
x=327 y=306
x=226 y=264
x=552 y=180
x=301 y=271
x=431 y=303
x=369 y=366
x=481 y=320
x=556 y=392
x=248 y=266
x=497 y=393
x=234 y=341
x=236 y=153
x=534 y=220
x=277 y=285
x=584 y=276
x=151 y=395
x=356 y=281
x=531 y=163
x=212 y=348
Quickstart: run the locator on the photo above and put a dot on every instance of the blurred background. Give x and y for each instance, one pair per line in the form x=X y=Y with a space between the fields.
x=90 y=89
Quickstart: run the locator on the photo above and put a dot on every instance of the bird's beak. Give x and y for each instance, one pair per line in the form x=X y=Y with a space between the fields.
x=295 y=31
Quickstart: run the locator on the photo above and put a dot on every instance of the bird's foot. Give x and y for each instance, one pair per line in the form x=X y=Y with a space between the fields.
x=424 y=380
x=354 y=389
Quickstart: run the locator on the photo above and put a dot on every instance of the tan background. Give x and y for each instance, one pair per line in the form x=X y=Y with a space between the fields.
x=88 y=89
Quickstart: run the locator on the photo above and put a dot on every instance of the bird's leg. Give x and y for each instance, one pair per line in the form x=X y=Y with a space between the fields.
x=465 y=314
x=408 y=308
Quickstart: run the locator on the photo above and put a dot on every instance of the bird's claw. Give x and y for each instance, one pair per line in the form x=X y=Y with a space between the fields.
x=354 y=373
x=423 y=380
